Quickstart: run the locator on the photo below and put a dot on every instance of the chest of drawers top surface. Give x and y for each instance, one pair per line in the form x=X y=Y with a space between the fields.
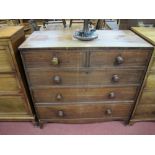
x=8 y=31
x=65 y=39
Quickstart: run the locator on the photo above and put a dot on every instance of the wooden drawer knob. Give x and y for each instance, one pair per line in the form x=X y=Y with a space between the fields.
x=61 y=113
x=55 y=61
x=108 y=111
x=57 y=79
x=59 y=97
x=115 y=78
x=119 y=60
x=111 y=95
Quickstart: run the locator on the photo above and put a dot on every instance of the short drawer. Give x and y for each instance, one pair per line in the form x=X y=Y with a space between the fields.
x=53 y=58
x=6 y=64
x=148 y=97
x=119 y=57
x=9 y=82
x=12 y=104
x=150 y=82
x=64 y=95
x=85 y=77
x=145 y=112
x=84 y=111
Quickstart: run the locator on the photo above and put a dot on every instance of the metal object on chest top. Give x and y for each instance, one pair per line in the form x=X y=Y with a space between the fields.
x=86 y=34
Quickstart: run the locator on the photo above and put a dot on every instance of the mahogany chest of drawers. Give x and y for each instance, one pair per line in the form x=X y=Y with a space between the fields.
x=145 y=106
x=72 y=81
x=14 y=101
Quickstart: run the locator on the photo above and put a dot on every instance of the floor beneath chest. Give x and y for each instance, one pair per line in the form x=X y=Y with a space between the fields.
x=106 y=128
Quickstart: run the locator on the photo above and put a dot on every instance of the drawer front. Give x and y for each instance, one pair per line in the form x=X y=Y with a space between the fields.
x=12 y=104
x=54 y=58
x=84 y=111
x=119 y=58
x=63 y=95
x=6 y=64
x=150 y=82
x=145 y=111
x=148 y=97
x=9 y=82
x=100 y=77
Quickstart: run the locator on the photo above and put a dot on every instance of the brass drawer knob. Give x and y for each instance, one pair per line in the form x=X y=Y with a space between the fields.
x=111 y=95
x=115 y=78
x=59 y=97
x=119 y=60
x=55 y=61
x=108 y=112
x=61 y=113
x=57 y=79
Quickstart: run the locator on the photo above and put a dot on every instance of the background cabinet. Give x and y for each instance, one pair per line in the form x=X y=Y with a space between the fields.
x=14 y=98
x=145 y=107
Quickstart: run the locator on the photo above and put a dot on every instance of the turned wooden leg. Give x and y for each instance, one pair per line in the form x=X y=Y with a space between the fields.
x=128 y=122
x=131 y=123
x=41 y=124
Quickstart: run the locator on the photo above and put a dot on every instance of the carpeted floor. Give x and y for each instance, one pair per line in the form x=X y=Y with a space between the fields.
x=106 y=128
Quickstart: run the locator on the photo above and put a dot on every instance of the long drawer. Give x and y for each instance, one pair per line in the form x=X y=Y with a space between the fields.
x=106 y=111
x=85 y=77
x=12 y=105
x=50 y=58
x=119 y=57
x=64 y=95
x=6 y=64
x=9 y=82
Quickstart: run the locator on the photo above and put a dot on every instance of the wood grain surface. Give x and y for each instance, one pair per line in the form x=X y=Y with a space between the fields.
x=12 y=105
x=14 y=99
x=144 y=109
x=71 y=80
x=147 y=33
x=9 y=31
x=85 y=77
x=9 y=82
x=64 y=38
x=50 y=95
x=84 y=111
x=6 y=64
